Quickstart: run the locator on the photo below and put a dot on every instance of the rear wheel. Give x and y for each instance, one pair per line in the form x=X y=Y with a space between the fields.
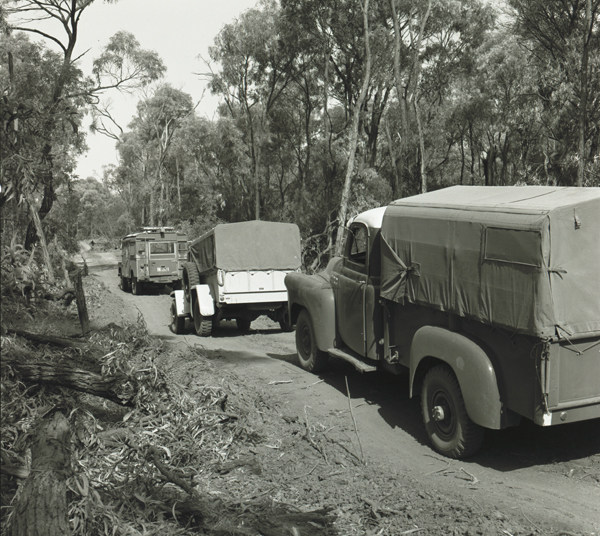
x=243 y=324
x=136 y=286
x=202 y=324
x=450 y=429
x=284 y=321
x=124 y=284
x=177 y=322
x=309 y=355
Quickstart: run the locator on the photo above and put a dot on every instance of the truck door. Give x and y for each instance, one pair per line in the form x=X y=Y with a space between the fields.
x=352 y=285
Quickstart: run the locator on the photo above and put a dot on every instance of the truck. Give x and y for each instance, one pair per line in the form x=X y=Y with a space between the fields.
x=236 y=271
x=488 y=298
x=152 y=257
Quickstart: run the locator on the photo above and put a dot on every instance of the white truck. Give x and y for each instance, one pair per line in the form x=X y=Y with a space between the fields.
x=236 y=271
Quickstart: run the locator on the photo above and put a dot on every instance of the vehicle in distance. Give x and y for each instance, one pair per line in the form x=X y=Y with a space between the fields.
x=151 y=257
x=236 y=271
x=488 y=297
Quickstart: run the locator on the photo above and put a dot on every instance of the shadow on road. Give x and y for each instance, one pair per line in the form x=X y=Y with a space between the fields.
x=526 y=445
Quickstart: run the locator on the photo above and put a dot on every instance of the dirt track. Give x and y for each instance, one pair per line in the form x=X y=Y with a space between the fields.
x=548 y=477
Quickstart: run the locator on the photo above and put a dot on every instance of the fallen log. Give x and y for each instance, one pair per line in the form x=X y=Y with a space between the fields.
x=41 y=509
x=49 y=339
x=120 y=389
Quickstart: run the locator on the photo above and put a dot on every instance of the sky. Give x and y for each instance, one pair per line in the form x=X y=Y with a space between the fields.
x=178 y=30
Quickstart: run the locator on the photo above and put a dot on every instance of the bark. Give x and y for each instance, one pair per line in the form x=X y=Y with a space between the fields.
x=35 y=216
x=119 y=389
x=81 y=305
x=354 y=135
x=396 y=181
x=584 y=92
x=49 y=339
x=41 y=509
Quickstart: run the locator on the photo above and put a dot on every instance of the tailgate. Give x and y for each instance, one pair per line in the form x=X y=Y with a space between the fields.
x=574 y=374
x=254 y=281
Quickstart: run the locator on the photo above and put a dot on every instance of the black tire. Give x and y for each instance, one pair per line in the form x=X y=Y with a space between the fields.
x=243 y=324
x=189 y=278
x=284 y=321
x=309 y=355
x=177 y=322
x=124 y=284
x=451 y=431
x=136 y=287
x=202 y=324
x=285 y=326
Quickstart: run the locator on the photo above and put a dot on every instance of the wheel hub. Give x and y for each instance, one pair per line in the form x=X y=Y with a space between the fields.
x=437 y=414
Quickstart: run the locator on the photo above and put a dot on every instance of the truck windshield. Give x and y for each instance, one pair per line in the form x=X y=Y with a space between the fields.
x=162 y=247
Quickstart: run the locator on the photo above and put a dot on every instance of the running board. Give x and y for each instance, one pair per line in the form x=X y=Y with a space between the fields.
x=360 y=365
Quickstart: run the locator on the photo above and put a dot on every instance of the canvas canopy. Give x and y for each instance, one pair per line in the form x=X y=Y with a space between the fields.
x=523 y=258
x=252 y=245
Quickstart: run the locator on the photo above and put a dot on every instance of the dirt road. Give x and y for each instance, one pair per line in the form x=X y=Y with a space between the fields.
x=542 y=477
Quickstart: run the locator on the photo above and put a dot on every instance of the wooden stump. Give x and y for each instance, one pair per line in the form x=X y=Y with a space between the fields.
x=41 y=509
x=81 y=305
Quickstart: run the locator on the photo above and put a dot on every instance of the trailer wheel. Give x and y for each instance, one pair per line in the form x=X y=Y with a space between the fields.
x=309 y=355
x=202 y=324
x=136 y=286
x=177 y=322
x=451 y=431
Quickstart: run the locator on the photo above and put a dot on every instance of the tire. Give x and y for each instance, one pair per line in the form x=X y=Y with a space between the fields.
x=136 y=287
x=451 y=431
x=309 y=355
x=124 y=284
x=189 y=279
x=285 y=326
x=177 y=322
x=243 y=324
x=284 y=321
x=202 y=324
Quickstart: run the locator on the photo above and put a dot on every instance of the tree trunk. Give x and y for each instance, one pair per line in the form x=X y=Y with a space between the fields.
x=354 y=136
x=584 y=92
x=42 y=237
x=81 y=305
x=41 y=508
x=396 y=181
x=118 y=389
x=421 y=148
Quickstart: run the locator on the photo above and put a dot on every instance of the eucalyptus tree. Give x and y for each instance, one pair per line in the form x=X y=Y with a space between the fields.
x=122 y=66
x=157 y=121
x=563 y=38
x=254 y=72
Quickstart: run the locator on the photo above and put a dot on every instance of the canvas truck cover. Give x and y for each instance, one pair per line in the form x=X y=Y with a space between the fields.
x=253 y=245
x=526 y=259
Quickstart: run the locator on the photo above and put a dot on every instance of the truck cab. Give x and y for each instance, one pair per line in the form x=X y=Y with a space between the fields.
x=488 y=298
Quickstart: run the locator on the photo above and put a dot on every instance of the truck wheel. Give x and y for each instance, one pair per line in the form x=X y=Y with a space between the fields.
x=189 y=279
x=310 y=357
x=243 y=324
x=284 y=321
x=451 y=431
x=202 y=324
x=136 y=286
x=177 y=322
x=124 y=284
x=285 y=326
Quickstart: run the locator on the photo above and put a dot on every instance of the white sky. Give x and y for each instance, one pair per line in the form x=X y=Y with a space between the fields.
x=178 y=30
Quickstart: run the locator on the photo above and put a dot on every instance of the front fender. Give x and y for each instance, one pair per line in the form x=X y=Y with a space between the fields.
x=472 y=366
x=314 y=293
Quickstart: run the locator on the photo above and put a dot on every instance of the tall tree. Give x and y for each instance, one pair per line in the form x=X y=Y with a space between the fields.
x=69 y=91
